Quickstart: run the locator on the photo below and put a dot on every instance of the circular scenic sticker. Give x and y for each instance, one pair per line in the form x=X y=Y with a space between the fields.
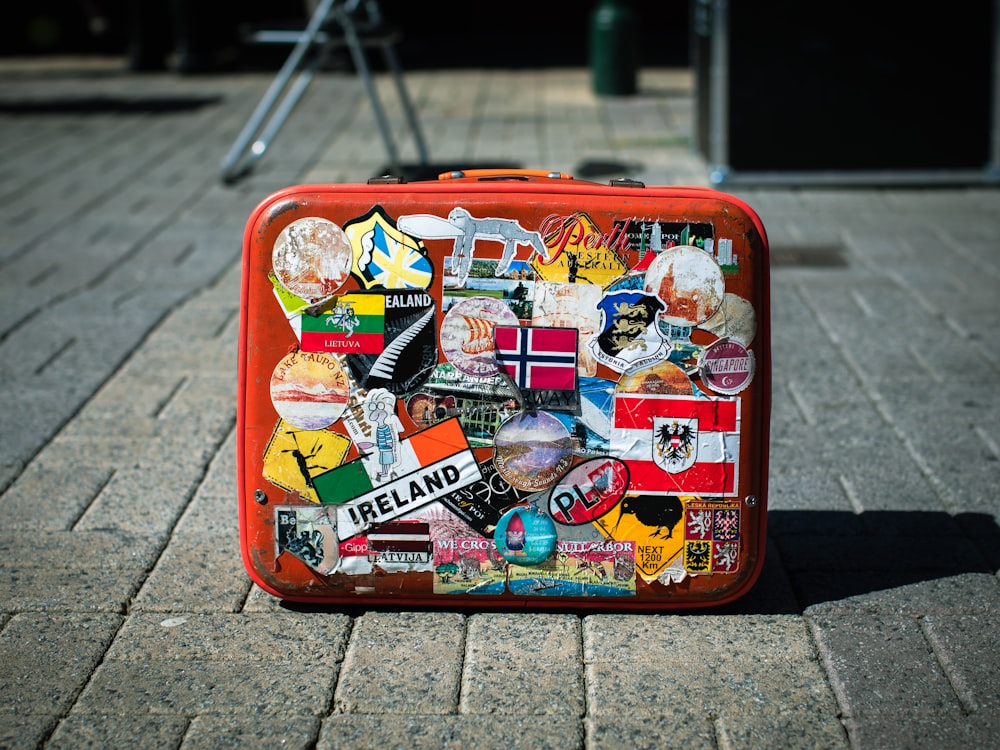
x=309 y=390
x=689 y=282
x=467 y=334
x=532 y=450
x=726 y=367
x=312 y=258
x=524 y=536
x=662 y=378
x=735 y=319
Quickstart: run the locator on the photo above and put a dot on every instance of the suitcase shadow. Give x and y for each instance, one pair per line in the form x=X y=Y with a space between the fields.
x=832 y=560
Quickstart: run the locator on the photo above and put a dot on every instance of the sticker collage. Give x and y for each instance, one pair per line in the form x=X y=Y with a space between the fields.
x=471 y=405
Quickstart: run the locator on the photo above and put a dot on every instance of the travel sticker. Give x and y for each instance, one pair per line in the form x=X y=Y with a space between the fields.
x=578 y=252
x=380 y=415
x=654 y=524
x=678 y=444
x=293 y=457
x=312 y=258
x=690 y=284
x=541 y=363
x=588 y=491
x=385 y=257
x=351 y=323
x=410 y=351
x=400 y=546
x=662 y=378
x=563 y=305
x=515 y=286
x=591 y=427
x=651 y=236
x=711 y=536
x=432 y=463
x=481 y=404
x=308 y=532
x=735 y=319
x=309 y=390
x=525 y=536
x=468 y=231
x=467 y=334
x=628 y=336
x=481 y=503
x=726 y=366
x=468 y=565
x=532 y=450
x=585 y=568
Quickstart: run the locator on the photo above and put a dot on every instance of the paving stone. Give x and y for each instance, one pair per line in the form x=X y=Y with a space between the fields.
x=541 y=653
x=48 y=658
x=710 y=664
x=99 y=730
x=423 y=732
x=196 y=573
x=248 y=729
x=24 y=731
x=883 y=665
x=94 y=571
x=966 y=646
x=402 y=663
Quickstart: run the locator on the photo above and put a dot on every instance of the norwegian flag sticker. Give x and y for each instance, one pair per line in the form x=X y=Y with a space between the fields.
x=678 y=444
x=537 y=358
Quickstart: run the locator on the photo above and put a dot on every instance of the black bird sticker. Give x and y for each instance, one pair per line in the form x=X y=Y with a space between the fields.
x=661 y=512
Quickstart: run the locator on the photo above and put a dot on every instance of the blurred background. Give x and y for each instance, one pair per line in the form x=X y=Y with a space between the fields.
x=446 y=33
x=873 y=92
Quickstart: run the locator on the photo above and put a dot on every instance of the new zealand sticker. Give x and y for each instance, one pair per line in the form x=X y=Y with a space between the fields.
x=309 y=390
x=410 y=352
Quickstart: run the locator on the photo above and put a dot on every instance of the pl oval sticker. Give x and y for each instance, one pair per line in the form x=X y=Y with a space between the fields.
x=588 y=491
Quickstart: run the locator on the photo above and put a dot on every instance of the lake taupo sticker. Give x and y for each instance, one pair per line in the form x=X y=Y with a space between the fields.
x=309 y=390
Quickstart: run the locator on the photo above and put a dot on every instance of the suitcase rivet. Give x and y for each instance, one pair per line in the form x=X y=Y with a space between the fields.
x=751 y=501
x=260 y=497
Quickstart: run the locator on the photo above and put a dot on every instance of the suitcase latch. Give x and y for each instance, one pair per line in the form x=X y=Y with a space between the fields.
x=626 y=182
x=386 y=179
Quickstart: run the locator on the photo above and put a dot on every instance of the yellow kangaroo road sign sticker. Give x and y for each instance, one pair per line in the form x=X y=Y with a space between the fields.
x=293 y=457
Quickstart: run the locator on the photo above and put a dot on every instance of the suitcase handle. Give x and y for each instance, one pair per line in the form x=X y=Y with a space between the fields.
x=504 y=174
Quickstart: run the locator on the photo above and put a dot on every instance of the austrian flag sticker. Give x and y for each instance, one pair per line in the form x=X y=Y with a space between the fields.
x=678 y=445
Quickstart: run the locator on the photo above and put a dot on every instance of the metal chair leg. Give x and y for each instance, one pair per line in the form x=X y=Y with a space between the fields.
x=242 y=155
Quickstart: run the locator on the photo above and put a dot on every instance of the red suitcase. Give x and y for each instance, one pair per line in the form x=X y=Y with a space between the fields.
x=504 y=389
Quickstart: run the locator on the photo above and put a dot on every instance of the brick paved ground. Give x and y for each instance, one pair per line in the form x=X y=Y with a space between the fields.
x=126 y=617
